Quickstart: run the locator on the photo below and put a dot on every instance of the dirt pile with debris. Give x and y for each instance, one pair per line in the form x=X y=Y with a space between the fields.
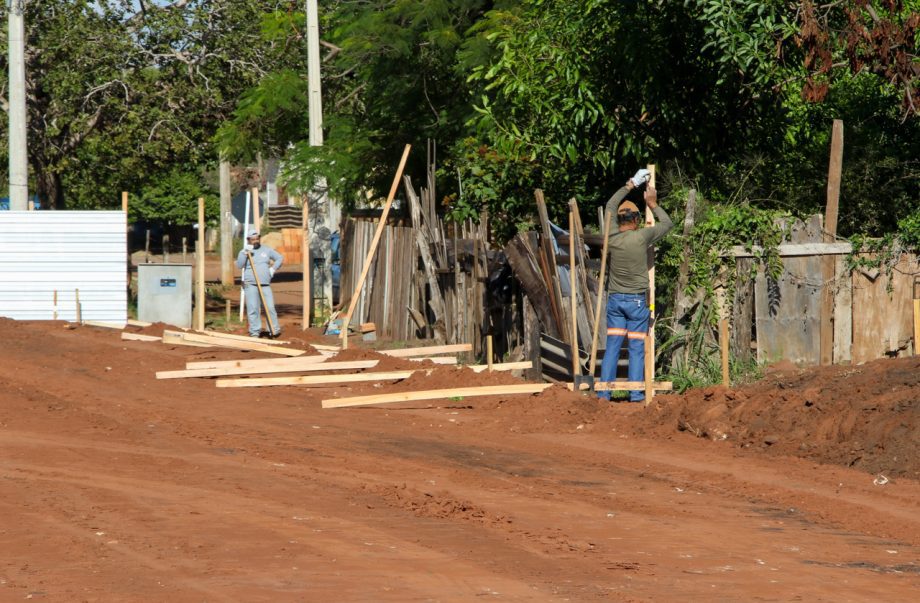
x=866 y=417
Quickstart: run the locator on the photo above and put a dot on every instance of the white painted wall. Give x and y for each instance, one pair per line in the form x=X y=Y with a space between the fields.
x=46 y=251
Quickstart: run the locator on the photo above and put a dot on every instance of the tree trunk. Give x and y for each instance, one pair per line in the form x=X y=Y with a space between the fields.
x=49 y=188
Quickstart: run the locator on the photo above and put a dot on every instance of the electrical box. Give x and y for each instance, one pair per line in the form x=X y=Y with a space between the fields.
x=164 y=294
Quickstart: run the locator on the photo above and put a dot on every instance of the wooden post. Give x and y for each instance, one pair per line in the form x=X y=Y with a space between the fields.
x=226 y=219
x=723 y=346
x=601 y=296
x=184 y=250
x=79 y=308
x=573 y=299
x=489 y=352
x=124 y=208
x=373 y=248
x=307 y=265
x=124 y=201
x=199 y=257
x=830 y=234
x=147 y=248
x=55 y=307
x=166 y=249
x=228 y=313
x=650 y=340
x=917 y=316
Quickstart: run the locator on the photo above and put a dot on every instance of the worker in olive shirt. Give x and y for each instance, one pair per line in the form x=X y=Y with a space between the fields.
x=628 y=283
x=266 y=261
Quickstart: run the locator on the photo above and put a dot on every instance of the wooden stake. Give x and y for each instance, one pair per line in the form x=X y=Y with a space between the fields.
x=256 y=218
x=55 y=305
x=650 y=340
x=602 y=295
x=373 y=247
x=917 y=316
x=489 y=352
x=307 y=266
x=184 y=250
x=227 y=320
x=199 y=257
x=723 y=346
x=434 y=394
x=454 y=348
x=79 y=316
x=828 y=270
x=573 y=299
x=124 y=201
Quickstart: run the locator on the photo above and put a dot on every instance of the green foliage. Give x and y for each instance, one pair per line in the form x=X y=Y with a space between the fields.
x=174 y=199
x=909 y=231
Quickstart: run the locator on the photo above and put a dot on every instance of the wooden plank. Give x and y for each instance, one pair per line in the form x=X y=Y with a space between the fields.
x=367 y=327
x=171 y=339
x=525 y=268
x=104 y=325
x=502 y=366
x=370 y=253
x=650 y=339
x=139 y=337
x=200 y=301
x=723 y=347
x=424 y=248
x=255 y=362
x=253 y=346
x=276 y=368
x=236 y=337
x=614 y=386
x=454 y=348
x=315 y=379
x=917 y=327
x=573 y=298
x=549 y=252
x=325 y=348
x=601 y=296
x=883 y=310
x=830 y=235
x=138 y=323
x=435 y=394
x=794 y=249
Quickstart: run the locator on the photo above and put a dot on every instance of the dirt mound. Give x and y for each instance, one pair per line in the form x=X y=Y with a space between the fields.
x=866 y=417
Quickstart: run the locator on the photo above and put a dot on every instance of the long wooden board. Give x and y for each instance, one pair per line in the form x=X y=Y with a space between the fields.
x=315 y=379
x=795 y=249
x=253 y=346
x=435 y=359
x=435 y=394
x=139 y=337
x=502 y=366
x=277 y=368
x=425 y=351
x=613 y=386
x=171 y=339
x=236 y=337
x=255 y=362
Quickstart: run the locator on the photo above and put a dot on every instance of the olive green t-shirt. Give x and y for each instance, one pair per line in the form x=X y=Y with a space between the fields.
x=628 y=250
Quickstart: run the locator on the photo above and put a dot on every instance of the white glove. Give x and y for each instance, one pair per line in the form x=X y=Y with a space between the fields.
x=271 y=272
x=641 y=177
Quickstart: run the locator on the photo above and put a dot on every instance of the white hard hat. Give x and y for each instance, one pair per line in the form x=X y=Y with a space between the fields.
x=252 y=233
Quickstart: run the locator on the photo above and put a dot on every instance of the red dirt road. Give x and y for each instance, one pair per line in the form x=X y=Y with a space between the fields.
x=115 y=486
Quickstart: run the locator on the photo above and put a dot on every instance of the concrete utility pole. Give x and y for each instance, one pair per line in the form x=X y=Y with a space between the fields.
x=324 y=209
x=19 y=153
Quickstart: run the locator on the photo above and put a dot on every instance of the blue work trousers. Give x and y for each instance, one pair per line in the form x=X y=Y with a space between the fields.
x=627 y=318
x=254 y=308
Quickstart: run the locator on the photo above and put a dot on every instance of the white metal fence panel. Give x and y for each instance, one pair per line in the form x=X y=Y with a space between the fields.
x=51 y=255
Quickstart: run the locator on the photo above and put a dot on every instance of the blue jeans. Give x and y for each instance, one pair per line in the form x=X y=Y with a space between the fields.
x=254 y=308
x=627 y=318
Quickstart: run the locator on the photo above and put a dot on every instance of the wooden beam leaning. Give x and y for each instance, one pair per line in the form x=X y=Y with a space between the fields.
x=315 y=379
x=373 y=247
x=276 y=368
x=828 y=268
x=253 y=346
x=435 y=394
x=454 y=348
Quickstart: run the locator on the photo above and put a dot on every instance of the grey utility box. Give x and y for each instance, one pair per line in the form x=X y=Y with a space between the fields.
x=164 y=293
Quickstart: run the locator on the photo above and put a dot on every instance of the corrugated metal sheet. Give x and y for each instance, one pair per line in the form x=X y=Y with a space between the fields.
x=43 y=252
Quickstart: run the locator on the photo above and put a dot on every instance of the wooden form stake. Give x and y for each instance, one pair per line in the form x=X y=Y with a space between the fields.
x=228 y=313
x=723 y=346
x=78 y=306
x=489 y=352
x=199 y=257
x=55 y=305
x=830 y=234
x=256 y=218
x=373 y=247
x=650 y=340
x=917 y=316
x=307 y=266
x=573 y=299
x=601 y=296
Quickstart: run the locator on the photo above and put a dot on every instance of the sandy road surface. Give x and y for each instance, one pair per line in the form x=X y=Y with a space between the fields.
x=115 y=486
